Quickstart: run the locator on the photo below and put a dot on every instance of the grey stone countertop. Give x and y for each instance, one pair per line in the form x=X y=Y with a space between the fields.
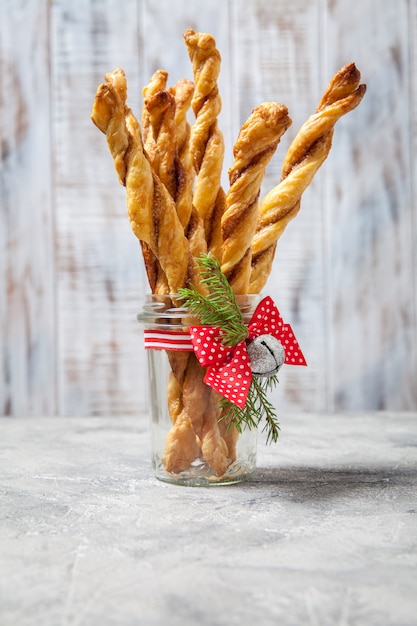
x=324 y=534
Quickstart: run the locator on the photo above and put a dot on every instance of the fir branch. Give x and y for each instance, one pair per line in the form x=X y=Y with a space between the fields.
x=237 y=417
x=219 y=308
x=266 y=408
x=257 y=409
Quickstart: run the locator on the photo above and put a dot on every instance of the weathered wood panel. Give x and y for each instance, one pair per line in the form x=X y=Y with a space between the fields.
x=98 y=283
x=370 y=213
x=27 y=244
x=413 y=156
x=412 y=348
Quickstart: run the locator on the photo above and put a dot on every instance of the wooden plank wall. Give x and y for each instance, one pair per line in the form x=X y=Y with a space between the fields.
x=72 y=279
x=27 y=223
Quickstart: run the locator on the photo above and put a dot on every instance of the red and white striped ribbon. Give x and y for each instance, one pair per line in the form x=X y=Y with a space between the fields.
x=168 y=340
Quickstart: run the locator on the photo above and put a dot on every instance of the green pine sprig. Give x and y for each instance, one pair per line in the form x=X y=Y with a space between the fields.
x=220 y=310
x=257 y=409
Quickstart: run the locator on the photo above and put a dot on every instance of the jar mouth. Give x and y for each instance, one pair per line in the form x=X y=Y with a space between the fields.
x=164 y=309
x=156 y=306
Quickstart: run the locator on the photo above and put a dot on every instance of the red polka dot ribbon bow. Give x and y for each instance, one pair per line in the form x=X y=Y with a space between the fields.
x=228 y=368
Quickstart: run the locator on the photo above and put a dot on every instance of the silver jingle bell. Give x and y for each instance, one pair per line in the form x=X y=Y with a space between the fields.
x=266 y=355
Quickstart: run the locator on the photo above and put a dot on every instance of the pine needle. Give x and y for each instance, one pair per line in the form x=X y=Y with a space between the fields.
x=257 y=409
x=220 y=308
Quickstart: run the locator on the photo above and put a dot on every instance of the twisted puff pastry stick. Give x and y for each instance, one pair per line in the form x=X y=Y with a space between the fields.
x=151 y=210
x=109 y=116
x=164 y=160
x=206 y=140
x=109 y=113
x=157 y=278
x=165 y=114
x=160 y=113
x=191 y=220
x=256 y=143
x=183 y=92
x=188 y=396
x=206 y=150
x=167 y=133
x=157 y=83
x=305 y=155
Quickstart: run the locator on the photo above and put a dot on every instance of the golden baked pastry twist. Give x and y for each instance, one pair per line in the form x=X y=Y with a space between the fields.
x=196 y=430
x=158 y=131
x=256 y=143
x=305 y=155
x=165 y=232
x=118 y=139
x=183 y=92
x=151 y=209
x=206 y=140
x=168 y=146
x=157 y=83
x=109 y=116
x=164 y=160
x=167 y=135
x=191 y=220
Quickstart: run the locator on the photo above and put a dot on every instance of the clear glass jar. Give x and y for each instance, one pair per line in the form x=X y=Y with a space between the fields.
x=191 y=444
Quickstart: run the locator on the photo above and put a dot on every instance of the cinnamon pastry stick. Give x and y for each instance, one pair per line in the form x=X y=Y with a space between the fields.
x=305 y=155
x=183 y=92
x=157 y=83
x=256 y=143
x=151 y=210
x=206 y=141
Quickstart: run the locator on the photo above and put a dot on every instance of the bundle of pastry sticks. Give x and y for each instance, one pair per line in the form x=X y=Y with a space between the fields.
x=179 y=211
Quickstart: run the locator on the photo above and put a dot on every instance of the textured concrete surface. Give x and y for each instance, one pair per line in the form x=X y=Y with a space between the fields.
x=324 y=534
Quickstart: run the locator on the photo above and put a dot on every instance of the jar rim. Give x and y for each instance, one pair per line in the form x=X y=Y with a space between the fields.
x=160 y=309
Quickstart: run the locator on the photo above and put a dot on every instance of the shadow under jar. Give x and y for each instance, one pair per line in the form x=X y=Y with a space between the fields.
x=191 y=443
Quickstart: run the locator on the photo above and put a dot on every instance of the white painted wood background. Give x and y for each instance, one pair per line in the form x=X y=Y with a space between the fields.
x=71 y=272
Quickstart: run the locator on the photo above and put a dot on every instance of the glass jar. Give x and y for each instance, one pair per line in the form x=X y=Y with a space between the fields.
x=191 y=443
